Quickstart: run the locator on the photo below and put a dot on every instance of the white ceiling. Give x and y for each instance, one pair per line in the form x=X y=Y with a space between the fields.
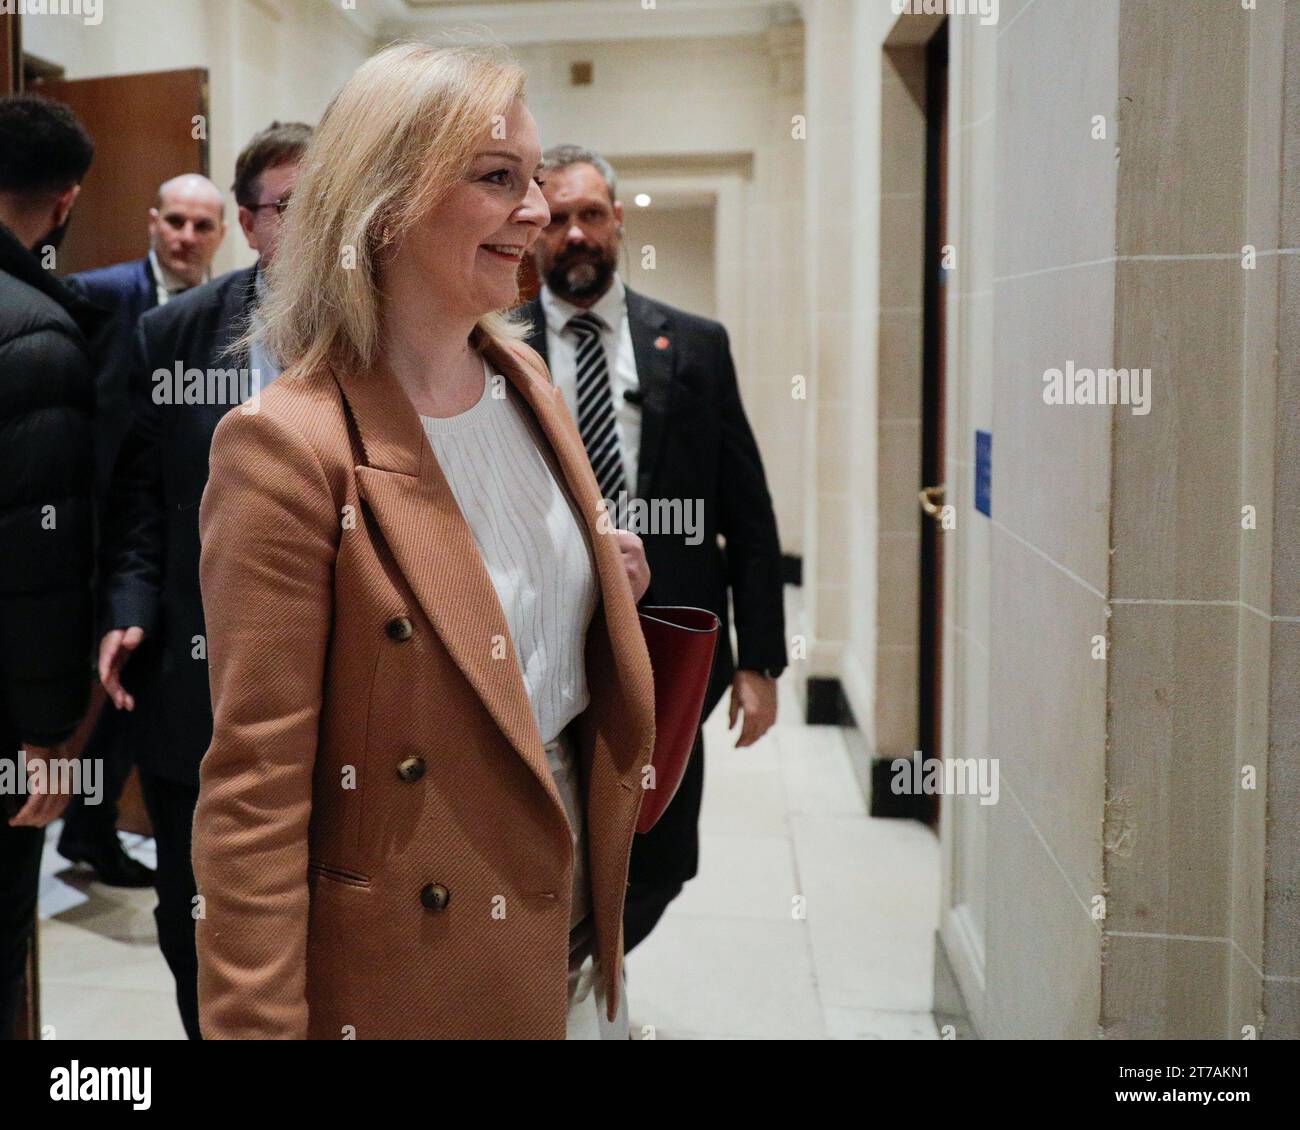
x=545 y=21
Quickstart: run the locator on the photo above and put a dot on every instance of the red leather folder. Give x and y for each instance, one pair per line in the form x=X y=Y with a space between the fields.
x=681 y=642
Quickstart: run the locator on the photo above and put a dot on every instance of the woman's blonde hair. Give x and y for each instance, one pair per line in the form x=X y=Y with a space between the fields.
x=393 y=141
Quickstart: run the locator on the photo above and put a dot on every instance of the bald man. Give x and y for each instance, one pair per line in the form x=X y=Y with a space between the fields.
x=186 y=227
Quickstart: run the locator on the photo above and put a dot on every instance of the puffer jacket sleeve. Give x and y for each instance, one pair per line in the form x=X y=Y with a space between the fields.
x=46 y=531
x=270 y=534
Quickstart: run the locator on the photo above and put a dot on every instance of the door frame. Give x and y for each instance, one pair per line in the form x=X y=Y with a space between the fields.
x=901 y=356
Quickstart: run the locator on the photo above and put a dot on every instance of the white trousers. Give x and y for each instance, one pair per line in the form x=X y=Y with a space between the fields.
x=587 y=996
x=587 y=1020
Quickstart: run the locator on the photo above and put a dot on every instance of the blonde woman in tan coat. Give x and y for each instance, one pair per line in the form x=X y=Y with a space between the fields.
x=432 y=700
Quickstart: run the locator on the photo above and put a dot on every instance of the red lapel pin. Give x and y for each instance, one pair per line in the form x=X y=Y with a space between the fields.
x=661 y=342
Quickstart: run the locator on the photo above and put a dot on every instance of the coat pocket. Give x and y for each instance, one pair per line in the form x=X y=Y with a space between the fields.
x=339 y=875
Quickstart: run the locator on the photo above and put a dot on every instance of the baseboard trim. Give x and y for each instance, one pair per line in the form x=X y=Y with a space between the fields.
x=950 y=1009
x=828 y=705
x=860 y=759
x=887 y=804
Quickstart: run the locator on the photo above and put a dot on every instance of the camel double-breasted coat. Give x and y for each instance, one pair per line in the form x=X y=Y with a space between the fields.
x=379 y=846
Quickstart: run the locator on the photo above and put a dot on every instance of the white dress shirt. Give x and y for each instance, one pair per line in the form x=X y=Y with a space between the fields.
x=260 y=360
x=616 y=337
x=166 y=285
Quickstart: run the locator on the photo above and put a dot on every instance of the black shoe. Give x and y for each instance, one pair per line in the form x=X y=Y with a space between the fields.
x=111 y=864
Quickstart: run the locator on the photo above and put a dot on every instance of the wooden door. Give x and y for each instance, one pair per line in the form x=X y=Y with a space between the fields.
x=147 y=128
x=11 y=71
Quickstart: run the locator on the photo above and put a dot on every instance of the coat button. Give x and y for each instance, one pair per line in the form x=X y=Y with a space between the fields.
x=435 y=896
x=411 y=770
x=399 y=629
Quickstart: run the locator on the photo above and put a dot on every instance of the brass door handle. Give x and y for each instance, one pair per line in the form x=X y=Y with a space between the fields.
x=932 y=499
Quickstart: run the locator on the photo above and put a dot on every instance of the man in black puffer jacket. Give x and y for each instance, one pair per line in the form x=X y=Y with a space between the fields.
x=47 y=395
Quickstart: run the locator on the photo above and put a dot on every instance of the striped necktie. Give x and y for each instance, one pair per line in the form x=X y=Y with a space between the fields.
x=596 y=422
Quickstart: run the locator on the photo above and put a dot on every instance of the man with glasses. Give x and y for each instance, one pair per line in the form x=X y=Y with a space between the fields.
x=152 y=655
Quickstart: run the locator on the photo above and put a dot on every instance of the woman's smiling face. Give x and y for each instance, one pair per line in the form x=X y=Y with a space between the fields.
x=467 y=250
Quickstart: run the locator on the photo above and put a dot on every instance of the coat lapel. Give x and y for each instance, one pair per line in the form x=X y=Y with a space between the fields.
x=146 y=286
x=236 y=307
x=231 y=321
x=536 y=315
x=654 y=369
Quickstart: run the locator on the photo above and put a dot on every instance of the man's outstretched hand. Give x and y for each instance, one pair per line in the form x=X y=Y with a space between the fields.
x=115 y=649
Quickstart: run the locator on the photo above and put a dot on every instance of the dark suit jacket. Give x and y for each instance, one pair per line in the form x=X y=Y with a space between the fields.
x=150 y=559
x=123 y=292
x=696 y=443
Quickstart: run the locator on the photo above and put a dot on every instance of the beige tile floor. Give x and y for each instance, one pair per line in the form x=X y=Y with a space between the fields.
x=730 y=960
x=102 y=975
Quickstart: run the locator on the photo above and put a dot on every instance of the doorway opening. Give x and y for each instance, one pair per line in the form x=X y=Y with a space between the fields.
x=911 y=356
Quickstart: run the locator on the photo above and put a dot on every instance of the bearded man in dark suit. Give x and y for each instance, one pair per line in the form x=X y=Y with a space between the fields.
x=655 y=395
